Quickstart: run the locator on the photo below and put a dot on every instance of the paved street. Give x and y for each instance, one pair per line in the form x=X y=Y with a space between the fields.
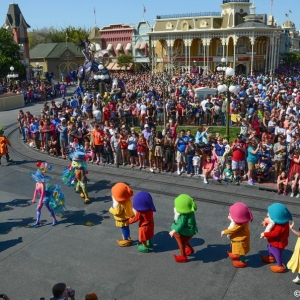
x=88 y=258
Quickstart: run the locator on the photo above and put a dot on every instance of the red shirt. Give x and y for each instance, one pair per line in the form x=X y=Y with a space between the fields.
x=142 y=145
x=179 y=109
x=278 y=236
x=256 y=126
x=238 y=154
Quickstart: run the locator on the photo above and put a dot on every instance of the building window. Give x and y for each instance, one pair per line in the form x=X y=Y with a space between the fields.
x=200 y=48
x=219 y=51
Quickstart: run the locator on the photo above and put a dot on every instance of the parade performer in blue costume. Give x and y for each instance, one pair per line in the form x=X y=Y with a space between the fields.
x=50 y=195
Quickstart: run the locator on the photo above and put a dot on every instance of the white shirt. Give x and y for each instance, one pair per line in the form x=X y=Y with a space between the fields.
x=203 y=103
x=196 y=161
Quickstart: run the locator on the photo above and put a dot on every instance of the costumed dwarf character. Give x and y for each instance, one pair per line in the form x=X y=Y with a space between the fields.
x=278 y=236
x=144 y=207
x=239 y=233
x=184 y=226
x=76 y=174
x=122 y=210
x=50 y=195
x=4 y=141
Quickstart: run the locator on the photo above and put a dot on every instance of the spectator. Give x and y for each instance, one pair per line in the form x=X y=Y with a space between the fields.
x=252 y=159
x=282 y=183
x=169 y=151
x=151 y=147
x=181 y=143
x=159 y=151
x=132 y=147
x=279 y=156
x=238 y=148
x=116 y=149
x=61 y=291
x=207 y=169
x=142 y=150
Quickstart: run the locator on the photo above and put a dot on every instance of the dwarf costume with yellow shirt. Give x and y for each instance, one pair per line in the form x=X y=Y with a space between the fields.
x=241 y=215
x=122 y=210
x=4 y=142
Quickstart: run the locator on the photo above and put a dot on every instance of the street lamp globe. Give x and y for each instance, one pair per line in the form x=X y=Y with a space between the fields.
x=100 y=67
x=223 y=60
x=37 y=64
x=102 y=77
x=95 y=77
x=224 y=69
x=232 y=89
x=106 y=76
x=219 y=69
x=12 y=68
x=229 y=72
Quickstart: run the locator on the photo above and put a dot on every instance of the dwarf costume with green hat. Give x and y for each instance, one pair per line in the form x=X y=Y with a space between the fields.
x=278 y=236
x=239 y=233
x=144 y=207
x=3 y=145
x=184 y=226
x=122 y=210
x=79 y=165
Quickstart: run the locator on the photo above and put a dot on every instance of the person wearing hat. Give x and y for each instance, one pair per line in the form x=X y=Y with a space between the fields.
x=144 y=207
x=41 y=189
x=4 y=142
x=277 y=238
x=122 y=210
x=240 y=215
x=80 y=175
x=184 y=226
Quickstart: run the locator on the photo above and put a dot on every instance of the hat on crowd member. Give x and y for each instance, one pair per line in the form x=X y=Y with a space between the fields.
x=146 y=125
x=279 y=213
x=142 y=201
x=185 y=204
x=72 y=119
x=91 y=296
x=121 y=192
x=240 y=213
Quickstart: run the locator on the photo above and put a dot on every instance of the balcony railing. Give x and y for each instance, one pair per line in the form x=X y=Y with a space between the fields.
x=229 y=1
x=188 y=15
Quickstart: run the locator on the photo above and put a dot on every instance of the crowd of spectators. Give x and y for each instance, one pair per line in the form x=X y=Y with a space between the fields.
x=125 y=127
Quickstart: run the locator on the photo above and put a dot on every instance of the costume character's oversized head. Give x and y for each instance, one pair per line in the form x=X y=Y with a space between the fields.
x=1 y=129
x=240 y=213
x=121 y=192
x=143 y=201
x=78 y=159
x=39 y=175
x=184 y=204
x=279 y=213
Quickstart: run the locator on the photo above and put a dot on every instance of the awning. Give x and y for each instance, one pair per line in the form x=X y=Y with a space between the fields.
x=109 y=47
x=143 y=46
x=128 y=46
x=137 y=45
x=110 y=66
x=119 y=47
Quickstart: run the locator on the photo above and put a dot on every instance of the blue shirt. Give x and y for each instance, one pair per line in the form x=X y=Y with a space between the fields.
x=252 y=158
x=182 y=142
x=64 y=134
x=74 y=103
x=220 y=149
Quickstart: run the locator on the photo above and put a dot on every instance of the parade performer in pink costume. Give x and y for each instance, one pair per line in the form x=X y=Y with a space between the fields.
x=43 y=191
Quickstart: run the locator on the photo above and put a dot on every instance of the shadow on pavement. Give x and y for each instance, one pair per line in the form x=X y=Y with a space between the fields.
x=164 y=243
x=10 y=243
x=211 y=253
x=14 y=203
x=6 y=227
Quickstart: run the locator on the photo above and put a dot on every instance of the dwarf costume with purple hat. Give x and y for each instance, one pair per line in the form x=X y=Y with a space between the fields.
x=241 y=215
x=122 y=210
x=278 y=236
x=144 y=207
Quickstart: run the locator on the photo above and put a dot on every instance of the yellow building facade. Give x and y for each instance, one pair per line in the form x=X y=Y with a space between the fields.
x=249 y=42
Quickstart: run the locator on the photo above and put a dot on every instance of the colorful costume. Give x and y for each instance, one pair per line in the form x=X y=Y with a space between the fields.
x=122 y=210
x=239 y=233
x=50 y=195
x=144 y=207
x=77 y=172
x=184 y=226
x=3 y=145
x=278 y=236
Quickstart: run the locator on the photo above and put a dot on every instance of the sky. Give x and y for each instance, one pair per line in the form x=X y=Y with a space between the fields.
x=80 y=13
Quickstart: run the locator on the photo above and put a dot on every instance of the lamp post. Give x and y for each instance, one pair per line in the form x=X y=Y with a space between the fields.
x=101 y=77
x=12 y=75
x=227 y=86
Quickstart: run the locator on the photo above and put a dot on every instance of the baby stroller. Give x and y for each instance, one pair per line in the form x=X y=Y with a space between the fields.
x=262 y=172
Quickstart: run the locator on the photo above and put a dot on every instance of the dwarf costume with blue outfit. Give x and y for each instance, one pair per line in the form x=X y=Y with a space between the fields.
x=122 y=210
x=144 y=207
x=278 y=236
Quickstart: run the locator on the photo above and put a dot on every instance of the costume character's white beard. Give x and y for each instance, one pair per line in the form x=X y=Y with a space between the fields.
x=176 y=214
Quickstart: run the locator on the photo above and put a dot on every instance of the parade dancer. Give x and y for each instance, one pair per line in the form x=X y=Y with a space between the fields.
x=238 y=232
x=3 y=146
x=144 y=207
x=41 y=189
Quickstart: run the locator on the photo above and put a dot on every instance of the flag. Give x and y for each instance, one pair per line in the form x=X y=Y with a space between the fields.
x=287 y=15
x=144 y=9
x=272 y=2
x=290 y=11
x=94 y=10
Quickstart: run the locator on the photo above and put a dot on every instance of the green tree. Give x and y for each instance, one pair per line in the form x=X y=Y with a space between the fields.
x=124 y=60
x=9 y=54
x=291 y=57
x=53 y=35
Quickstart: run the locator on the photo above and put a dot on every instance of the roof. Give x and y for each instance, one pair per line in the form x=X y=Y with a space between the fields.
x=14 y=16
x=252 y=24
x=95 y=34
x=52 y=50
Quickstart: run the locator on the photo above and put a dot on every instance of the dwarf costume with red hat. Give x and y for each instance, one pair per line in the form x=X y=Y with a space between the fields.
x=239 y=233
x=122 y=210
x=144 y=207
